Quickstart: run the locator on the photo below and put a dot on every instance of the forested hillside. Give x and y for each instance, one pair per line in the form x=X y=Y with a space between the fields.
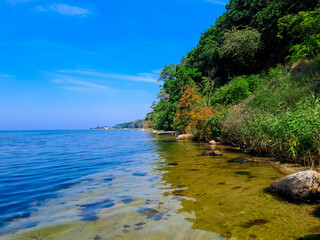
x=133 y=124
x=253 y=79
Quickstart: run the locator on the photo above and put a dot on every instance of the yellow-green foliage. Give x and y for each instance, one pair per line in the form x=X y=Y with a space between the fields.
x=192 y=114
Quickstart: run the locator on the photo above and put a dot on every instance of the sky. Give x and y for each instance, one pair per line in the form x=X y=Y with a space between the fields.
x=76 y=64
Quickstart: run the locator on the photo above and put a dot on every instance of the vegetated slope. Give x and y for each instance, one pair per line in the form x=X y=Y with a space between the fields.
x=253 y=79
x=133 y=124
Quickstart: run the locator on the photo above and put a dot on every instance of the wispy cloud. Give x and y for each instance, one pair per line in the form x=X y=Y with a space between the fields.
x=217 y=2
x=64 y=9
x=142 y=77
x=81 y=80
x=14 y=2
x=61 y=79
x=5 y=76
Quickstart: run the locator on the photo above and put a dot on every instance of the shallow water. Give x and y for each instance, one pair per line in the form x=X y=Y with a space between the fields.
x=127 y=184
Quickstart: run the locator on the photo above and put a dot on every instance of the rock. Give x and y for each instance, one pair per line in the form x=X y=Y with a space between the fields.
x=235 y=145
x=301 y=186
x=244 y=148
x=212 y=153
x=150 y=130
x=185 y=137
x=240 y=160
x=169 y=133
x=140 y=224
x=213 y=142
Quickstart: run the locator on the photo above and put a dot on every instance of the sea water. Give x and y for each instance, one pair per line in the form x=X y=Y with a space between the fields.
x=128 y=184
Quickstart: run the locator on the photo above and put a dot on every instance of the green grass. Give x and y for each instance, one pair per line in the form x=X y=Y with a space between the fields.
x=282 y=115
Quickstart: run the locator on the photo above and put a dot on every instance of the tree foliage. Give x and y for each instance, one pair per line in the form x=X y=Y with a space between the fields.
x=239 y=47
x=192 y=114
x=304 y=31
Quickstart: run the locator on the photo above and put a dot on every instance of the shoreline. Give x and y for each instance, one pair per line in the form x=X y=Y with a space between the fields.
x=290 y=166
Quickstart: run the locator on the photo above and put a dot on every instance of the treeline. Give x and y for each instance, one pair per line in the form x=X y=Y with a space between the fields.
x=253 y=79
x=134 y=124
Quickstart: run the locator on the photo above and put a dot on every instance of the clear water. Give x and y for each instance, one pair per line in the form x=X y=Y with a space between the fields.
x=127 y=184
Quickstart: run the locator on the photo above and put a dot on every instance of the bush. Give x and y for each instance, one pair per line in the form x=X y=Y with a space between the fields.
x=307 y=49
x=236 y=90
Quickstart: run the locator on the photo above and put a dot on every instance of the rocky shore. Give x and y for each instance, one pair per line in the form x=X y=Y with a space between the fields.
x=303 y=186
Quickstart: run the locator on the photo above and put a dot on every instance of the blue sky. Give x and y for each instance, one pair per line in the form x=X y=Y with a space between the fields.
x=78 y=64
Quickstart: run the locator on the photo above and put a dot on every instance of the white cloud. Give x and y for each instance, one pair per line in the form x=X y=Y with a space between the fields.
x=216 y=2
x=14 y=2
x=142 y=77
x=65 y=9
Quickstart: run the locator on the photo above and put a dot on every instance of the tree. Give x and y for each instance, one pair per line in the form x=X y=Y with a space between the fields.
x=192 y=114
x=189 y=103
x=207 y=85
x=303 y=30
x=240 y=46
x=163 y=116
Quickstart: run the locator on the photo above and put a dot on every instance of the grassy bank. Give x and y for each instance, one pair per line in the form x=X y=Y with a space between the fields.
x=281 y=116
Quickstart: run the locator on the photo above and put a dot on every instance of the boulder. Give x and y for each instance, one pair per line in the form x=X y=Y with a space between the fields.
x=213 y=142
x=302 y=186
x=185 y=137
x=240 y=160
x=212 y=153
x=169 y=133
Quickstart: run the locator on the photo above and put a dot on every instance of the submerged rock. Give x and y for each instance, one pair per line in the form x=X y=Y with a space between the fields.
x=212 y=153
x=255 y=222
x=240 y=160
x=140 y=224
x=301 y=186
x=244 y=173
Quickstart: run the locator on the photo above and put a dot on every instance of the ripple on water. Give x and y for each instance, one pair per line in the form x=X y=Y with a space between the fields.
x=144 y=188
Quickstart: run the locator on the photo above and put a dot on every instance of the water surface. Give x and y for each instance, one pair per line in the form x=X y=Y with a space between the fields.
x=127 y=184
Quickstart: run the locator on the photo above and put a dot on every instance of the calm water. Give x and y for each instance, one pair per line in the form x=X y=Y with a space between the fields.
x=126 y=184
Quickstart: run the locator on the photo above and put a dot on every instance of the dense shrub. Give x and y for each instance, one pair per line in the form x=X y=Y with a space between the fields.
x=282 y=117
x=236 y=90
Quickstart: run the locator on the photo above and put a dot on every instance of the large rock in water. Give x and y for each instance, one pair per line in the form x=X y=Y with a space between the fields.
x=301 y=186
x=240 y=160
x=212 y=153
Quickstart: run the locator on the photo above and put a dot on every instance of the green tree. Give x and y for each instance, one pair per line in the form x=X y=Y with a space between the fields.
x=303 y=30
x=240 y=47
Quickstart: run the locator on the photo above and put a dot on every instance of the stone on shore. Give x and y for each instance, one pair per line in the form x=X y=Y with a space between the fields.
x=213 y=142
x=185 y=137
x=169 y=133
x=302 y=186
x=212 y=153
